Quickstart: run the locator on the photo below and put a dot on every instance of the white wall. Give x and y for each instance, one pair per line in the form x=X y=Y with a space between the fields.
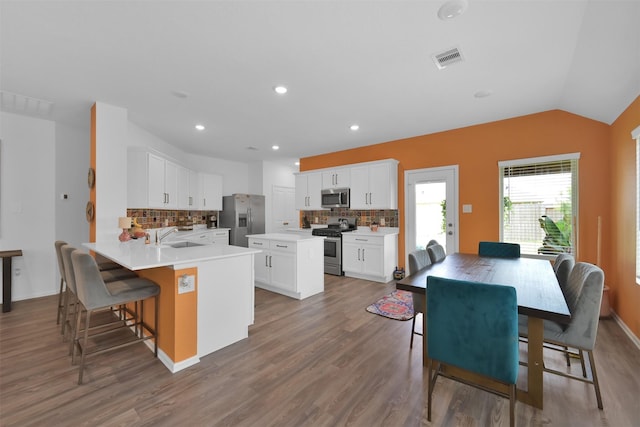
x=111 y=170
x=72 y=166
x=27 y=203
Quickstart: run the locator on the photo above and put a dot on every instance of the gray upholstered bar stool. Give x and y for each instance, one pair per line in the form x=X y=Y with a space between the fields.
x=94 y=294
x=70 y=296
x=58 y=245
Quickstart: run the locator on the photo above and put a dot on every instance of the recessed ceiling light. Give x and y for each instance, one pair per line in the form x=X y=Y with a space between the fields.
x=199 y=127
x=280 y=90
x=451 y=9
x=354 y=127
x=483 y=93
x=297 y=163
x=275 y=147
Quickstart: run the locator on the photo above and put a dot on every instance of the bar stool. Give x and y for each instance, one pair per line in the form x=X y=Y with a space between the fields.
x=58 y=245
x=70 y=295
x=94 y=295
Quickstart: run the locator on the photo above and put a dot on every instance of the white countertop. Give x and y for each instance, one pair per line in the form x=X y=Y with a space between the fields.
x=288 y=237
x=136 y=255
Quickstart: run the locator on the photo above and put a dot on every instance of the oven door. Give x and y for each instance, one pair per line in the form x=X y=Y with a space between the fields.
x=333 y=255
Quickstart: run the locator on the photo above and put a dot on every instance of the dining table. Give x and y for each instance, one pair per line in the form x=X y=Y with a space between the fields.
x=538 y=293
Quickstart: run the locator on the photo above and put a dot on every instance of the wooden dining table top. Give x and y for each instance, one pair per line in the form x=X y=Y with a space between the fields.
x=538 y=292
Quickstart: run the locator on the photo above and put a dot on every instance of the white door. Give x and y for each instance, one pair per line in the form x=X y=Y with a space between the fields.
x=431 y=210
x=283 y=210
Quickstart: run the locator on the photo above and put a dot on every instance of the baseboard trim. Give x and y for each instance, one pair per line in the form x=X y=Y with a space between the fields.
x=635 y=340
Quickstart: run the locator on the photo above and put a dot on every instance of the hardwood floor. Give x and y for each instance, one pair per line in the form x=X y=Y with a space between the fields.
x=323 y=361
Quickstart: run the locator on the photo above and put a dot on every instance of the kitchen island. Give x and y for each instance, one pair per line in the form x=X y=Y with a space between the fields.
x=206 y=298
x=290 y=264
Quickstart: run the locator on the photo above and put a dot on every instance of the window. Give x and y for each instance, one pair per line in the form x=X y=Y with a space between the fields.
x=636 y=135
x=539 y=204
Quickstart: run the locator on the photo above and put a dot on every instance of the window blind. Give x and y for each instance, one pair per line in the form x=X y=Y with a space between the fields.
x=539 y=204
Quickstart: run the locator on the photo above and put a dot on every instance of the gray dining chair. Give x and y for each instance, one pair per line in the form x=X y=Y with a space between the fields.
x=96 y=295
x=436 y=253
x=58 y=244
x=417 y=261
x=562 y=266
x=583 y=296
x=473 y=327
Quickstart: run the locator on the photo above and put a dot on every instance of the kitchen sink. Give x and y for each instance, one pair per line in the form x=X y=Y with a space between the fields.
x=184 y=244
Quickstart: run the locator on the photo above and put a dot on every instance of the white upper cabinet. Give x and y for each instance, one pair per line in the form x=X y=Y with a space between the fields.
x=187 y=188
x=210 y=192
x=374 y=185
x=152 y=181
x=336 y=178
x=308 y=188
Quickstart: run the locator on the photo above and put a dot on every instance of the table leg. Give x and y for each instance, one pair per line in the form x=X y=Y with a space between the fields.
x=534 y=395
x=6 y=284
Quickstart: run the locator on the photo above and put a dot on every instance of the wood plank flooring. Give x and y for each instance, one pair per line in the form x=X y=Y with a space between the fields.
x=323 y=361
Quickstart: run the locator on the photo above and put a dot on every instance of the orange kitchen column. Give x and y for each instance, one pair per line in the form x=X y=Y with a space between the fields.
x=178 y=321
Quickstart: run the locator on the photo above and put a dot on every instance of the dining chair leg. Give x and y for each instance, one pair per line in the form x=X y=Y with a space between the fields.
x=60 y=306
x=567 y=355
x=413 y=329
x=65 y=313
x=512 y=405
x=596 y=384
x=429 y=391
x=83 y=350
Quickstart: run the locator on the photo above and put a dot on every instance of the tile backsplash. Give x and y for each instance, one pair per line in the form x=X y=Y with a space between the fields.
x=365 y=217
x=156 y=218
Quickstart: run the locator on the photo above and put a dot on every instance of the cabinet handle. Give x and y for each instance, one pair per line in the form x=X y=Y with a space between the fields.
x=255 y=243
x=361 y=240
x=282 y=246
x=204 y=202
x=358 y=254
x=266 y=260
x=190 y=200
x=362 y=254
x=269 y=260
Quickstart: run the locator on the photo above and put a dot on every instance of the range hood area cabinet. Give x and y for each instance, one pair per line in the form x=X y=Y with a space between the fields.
x=374 y=185
x=336 y=178
x=156 y=182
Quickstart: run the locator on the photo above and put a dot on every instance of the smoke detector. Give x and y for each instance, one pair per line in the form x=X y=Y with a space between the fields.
x=448 y=57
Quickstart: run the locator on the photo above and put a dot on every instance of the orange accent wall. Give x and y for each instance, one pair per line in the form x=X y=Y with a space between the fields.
x=625 y=293
x=92 y=163
x=178 y=321
x=477 y=150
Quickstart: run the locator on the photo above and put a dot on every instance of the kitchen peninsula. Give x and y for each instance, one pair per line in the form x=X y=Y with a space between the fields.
x=207 y=294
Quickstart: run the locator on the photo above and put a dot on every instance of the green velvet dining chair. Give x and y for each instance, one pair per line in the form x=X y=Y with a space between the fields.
x=474 y=327
x=499 y=249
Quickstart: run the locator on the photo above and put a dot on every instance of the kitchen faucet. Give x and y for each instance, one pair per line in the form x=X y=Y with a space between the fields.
x=165 y=234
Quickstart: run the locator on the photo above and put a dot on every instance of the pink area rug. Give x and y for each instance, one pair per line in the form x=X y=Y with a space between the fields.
x=397 y=305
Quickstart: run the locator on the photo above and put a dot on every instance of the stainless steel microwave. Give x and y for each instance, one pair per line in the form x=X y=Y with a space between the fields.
x=335 y=198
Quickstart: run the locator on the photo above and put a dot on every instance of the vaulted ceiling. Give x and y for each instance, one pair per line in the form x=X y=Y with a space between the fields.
x=174 y=64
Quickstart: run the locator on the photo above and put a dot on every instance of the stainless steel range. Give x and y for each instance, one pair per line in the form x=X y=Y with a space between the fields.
x=333 y=242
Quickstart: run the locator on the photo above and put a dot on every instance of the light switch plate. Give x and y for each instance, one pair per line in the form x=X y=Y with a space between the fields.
x=186 y=284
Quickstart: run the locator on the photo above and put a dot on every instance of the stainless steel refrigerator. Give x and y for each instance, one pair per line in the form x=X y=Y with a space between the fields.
x=243 y=214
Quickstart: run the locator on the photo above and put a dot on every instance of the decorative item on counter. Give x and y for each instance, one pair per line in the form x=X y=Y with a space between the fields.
x=136 y=229
x=147 y=239
x=374 y=226
x=305 y=222
x=398 y=273
x=124 y=222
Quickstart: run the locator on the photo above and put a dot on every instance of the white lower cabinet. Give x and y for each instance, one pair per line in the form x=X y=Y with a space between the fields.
x=369 y=257
x=211 y=236
x=289 y=265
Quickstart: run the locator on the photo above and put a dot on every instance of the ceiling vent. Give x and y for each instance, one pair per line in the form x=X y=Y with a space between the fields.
x=448 y=57
x=21 y=104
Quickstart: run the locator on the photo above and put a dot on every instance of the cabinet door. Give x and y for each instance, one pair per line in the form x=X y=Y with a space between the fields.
x=373 y=259
x=314 y=189
x=171 y=184
x=193 y=190
x=360 y=187
x=379 y=187
x=301 y=192
x=220 y=237
x=211 y=192
x=262 y=269
x=155 y=180
x=351 y=257
x=283 y=270
x=183 y=188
